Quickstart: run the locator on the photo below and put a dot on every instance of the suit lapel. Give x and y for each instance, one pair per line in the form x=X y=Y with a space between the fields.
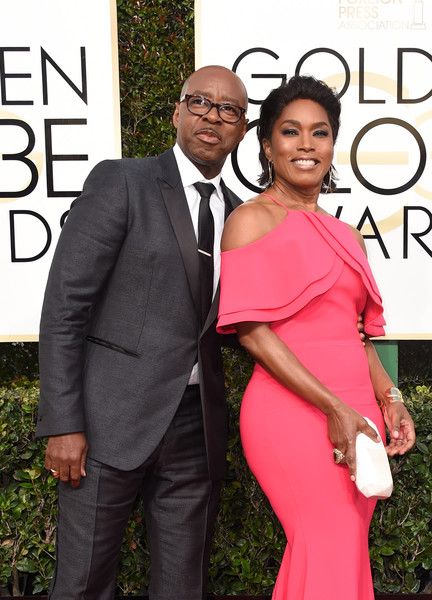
x=179 y=214
x=178 y=211
x=231 y=200
x=213 y=312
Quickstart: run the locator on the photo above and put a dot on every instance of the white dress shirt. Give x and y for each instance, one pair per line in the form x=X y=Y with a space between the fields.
x=189 y=175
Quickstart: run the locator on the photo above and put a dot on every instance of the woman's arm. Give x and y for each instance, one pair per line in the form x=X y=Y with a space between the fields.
x=396 y=416
x=272 y=353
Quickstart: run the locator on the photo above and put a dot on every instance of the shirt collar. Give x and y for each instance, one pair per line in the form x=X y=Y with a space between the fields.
x=189 y=173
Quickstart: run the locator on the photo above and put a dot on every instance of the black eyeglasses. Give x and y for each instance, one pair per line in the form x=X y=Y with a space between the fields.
x=198 y=105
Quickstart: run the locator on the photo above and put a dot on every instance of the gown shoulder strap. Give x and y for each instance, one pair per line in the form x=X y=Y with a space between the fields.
x=275 y=201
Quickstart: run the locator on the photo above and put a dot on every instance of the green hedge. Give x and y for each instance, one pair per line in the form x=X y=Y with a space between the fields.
x=156 y=54
x=248 y=542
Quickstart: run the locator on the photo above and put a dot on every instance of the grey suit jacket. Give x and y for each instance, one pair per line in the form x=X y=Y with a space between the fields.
x=120 y=320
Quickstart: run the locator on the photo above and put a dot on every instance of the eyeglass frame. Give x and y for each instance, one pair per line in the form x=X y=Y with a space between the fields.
x=216 y=105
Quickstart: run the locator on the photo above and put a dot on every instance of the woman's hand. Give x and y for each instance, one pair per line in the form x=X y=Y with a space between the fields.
x=396 y=416
x=401 y=428
x=343 y=425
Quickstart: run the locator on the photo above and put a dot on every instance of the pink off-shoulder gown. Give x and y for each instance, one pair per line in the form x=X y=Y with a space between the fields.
x=309 y=279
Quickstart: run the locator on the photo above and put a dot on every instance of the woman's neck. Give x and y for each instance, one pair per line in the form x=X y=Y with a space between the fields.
x=295 y=198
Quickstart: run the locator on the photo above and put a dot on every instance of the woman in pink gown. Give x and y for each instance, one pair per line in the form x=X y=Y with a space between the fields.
x=293 y=280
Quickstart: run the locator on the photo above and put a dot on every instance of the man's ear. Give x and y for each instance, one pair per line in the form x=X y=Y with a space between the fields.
x=175 y=117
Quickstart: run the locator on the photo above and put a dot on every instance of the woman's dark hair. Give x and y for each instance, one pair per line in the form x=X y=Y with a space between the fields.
x=298 y=87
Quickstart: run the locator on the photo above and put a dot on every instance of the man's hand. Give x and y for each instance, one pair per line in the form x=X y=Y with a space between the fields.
x=65 y=457
x=360 y=328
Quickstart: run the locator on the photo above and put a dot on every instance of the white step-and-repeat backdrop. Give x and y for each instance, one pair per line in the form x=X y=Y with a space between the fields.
x=59 y=116
x=378 y=55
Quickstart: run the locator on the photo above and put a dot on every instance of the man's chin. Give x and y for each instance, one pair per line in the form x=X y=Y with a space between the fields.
x=206 y=159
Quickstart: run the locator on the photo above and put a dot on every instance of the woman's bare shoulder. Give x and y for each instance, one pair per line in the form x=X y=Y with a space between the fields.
x=248 y=222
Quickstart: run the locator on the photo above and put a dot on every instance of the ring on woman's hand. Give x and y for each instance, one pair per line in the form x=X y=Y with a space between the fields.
x=338 y=455
x=53 y=471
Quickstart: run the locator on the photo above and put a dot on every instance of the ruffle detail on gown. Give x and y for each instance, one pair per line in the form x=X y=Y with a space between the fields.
x=277 y=275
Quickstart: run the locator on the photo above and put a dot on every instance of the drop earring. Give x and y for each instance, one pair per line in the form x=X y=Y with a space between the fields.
x=270 y=173
x=330 y=186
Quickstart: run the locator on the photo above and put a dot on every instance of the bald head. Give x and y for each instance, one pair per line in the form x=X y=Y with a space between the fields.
x=216 y=72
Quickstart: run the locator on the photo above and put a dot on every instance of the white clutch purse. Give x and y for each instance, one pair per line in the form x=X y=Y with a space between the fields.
x=374 y=478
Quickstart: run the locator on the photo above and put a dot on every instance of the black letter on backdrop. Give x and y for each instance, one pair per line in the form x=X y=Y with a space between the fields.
x=64 y=217
x=362 y=99
x=402 y=188
x=12 y=214
x=22 y=157
x=81 y=93
x=50 y=157
x=281 y=76
x=334 y=53
x=338 y=212
x=376 y=236
x=416 y=236
x=4 y=76
x=400 y=98
x=236 y=168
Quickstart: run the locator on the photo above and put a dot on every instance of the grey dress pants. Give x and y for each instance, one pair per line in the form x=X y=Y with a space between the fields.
x=180 y=503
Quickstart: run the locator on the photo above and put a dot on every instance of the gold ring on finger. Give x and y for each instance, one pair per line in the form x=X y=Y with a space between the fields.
x=338 y=455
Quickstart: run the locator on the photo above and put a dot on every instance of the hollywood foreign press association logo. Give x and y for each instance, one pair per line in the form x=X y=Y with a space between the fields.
x=381 y=15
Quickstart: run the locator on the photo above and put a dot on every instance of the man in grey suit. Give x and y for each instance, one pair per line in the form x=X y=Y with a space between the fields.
x=132 y=390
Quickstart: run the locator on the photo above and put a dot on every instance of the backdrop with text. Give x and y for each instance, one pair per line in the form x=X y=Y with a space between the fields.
x=59 y=116
x=378 y=56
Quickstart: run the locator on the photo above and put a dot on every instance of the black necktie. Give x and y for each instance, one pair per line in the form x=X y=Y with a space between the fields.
x=205 y=247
